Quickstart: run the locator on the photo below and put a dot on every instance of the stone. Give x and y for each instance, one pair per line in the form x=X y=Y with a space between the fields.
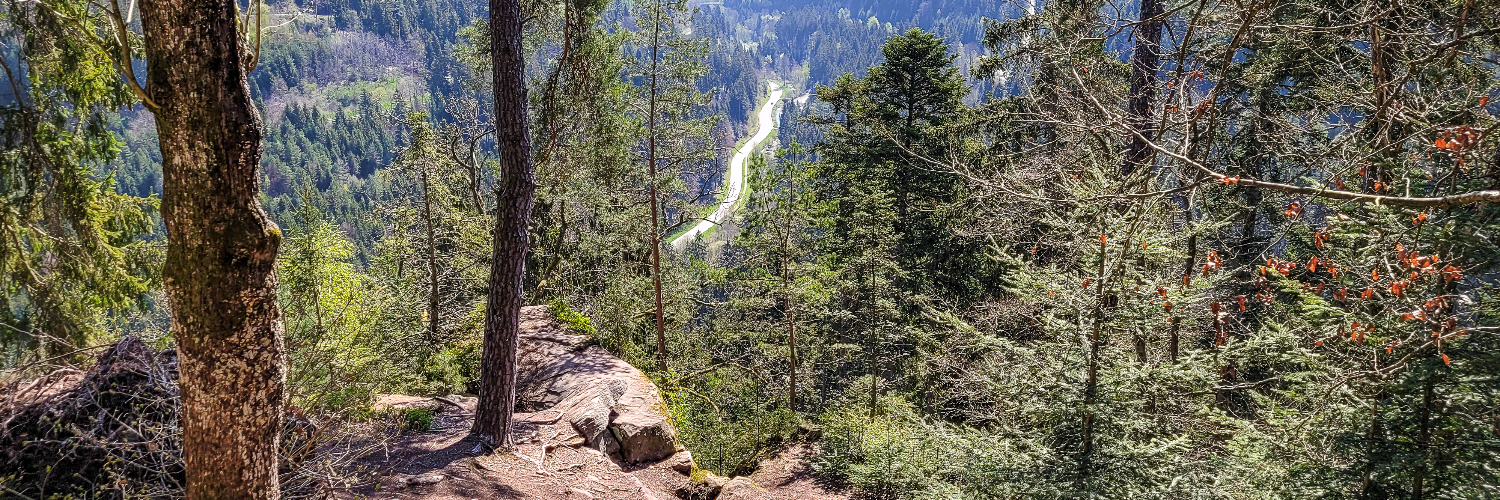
x=577 y=493
x=398 y=402
x=589 y=411
x=644 y=436
x=742 y=488
x=681 y=462
x=714 y=482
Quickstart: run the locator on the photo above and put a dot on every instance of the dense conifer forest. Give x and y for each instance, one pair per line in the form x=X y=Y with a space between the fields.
x=983 y=249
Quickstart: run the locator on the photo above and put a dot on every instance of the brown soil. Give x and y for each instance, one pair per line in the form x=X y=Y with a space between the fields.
x=787 y=475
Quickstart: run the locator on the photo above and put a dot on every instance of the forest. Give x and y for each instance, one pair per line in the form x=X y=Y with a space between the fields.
x=847 y=249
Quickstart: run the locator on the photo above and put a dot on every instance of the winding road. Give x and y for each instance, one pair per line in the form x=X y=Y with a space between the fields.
x=736 y=185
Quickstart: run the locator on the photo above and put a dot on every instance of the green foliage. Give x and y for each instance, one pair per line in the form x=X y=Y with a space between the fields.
x=453 y=370
x=417 y=419
x=572 y=320
x=726 y=436
x=75 y=254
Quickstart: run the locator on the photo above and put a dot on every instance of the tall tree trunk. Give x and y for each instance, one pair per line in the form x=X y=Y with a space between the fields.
x=1144 y=62
x=791 y=320
x=872 y=313
x=502 y=320
x=1424 y=441
x=432 y=271
x=661 y=331
x=220 y=272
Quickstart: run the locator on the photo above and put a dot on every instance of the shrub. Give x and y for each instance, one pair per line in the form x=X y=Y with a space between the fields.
x=417 y=419
x=454 y=370
x=572 y=320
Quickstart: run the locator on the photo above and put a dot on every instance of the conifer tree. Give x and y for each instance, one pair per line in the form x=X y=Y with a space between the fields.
x=497 y=386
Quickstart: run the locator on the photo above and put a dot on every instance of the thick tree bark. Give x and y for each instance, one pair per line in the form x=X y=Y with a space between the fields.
x=502 y=321
x=220 y=272
x=1144 y=62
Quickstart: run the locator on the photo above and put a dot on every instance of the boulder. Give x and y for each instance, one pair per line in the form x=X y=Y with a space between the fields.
x=742 y=488
x=714 y=482
x=589 y=411
x=644 y=436
x=681 y=462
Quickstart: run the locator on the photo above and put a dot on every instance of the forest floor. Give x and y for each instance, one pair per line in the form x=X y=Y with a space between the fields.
x=550 y=462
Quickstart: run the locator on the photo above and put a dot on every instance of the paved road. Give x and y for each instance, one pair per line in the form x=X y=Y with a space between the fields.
x=736 y=184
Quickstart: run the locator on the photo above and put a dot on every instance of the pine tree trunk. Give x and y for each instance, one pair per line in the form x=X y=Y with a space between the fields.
x=502 y=320
x=220 y=272
x=432 y=271
x=1144 y=62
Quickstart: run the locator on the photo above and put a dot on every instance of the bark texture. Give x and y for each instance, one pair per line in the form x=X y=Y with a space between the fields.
x=497 y=384
x=1144 y=62
x=220 y=272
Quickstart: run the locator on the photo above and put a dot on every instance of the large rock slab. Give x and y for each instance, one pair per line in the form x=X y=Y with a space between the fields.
x=590 y=410
x=644 y=436
x=555 y=366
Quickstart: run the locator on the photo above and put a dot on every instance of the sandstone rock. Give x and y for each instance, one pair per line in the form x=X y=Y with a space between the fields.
x=742 y=488
x=589 y=411
x=714 y=482
x=386 y=402
x=681 y=462
x=556 y=369
x=644 y=436
x=577 y=493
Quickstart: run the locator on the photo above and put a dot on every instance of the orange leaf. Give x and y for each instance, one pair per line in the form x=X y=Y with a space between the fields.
x=1241 y=300
x=1312 y=265
x=1103 y=239
x=1167 y=306
x=1446 y=361
x=1375 y=274
x=1087 y=282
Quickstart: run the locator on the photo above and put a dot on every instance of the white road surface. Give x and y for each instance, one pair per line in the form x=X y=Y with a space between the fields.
x=736 y=183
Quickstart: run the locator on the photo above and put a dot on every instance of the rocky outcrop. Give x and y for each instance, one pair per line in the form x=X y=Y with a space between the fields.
x=593 y=390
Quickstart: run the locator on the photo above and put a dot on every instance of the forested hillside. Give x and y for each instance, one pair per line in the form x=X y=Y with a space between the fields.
x=1190 y=249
